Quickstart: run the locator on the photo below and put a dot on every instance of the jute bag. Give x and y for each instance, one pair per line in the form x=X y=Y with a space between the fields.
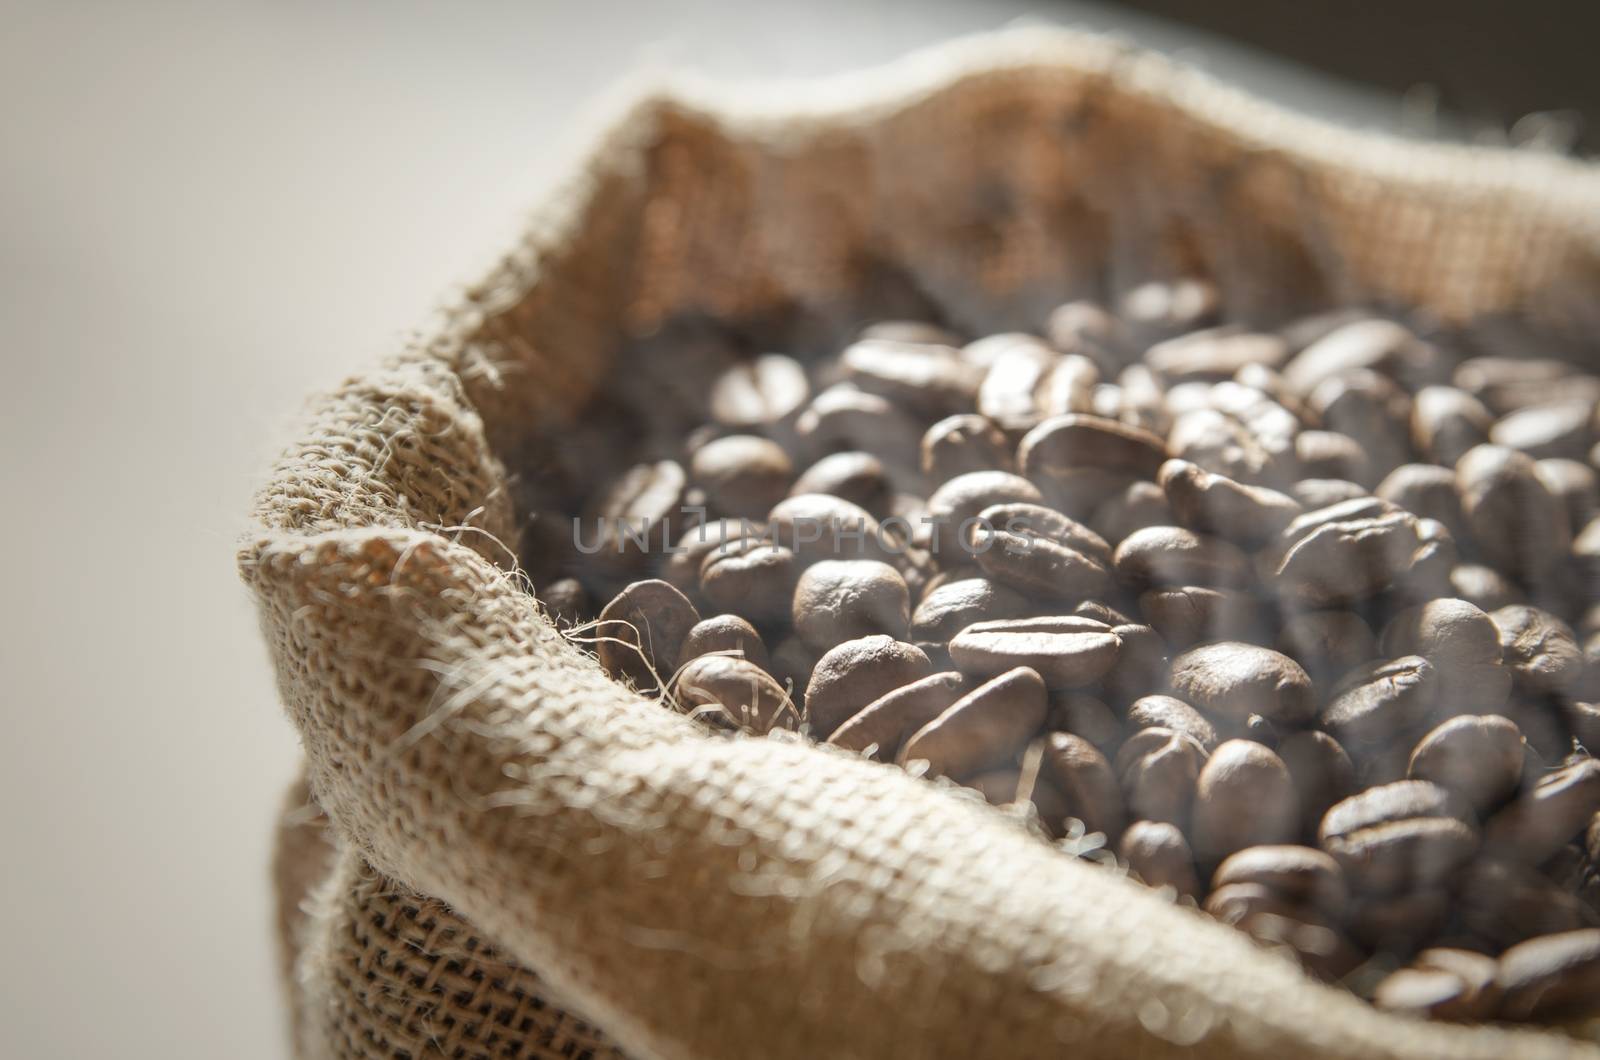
x=506 y=826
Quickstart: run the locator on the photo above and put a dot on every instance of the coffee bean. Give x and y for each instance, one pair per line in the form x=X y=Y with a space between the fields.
x=1165 y=712
x=1463 y=643
x=1477 y=974
x=845 y=418
x=1303 y=875
x=910 y=331
x=1506 y=384
x=688 y=552
x=566 y=601
x=1141 y=665
x=984 y=728
x=1159 y=769
x=1480 y=758
x=721 y=688
x=837 y=600
x=1541 y=820
x=1505 y=903
x=1343 y=554
x=817 y=527
x=1187 y=615
x=1518 y=524
x=954 y=506
x=1322 y=774
x=1381 y=702
x=1171 y=555
x=885 y=723
x=1552 y=429
x=1082 y=775
x=1215 y=353
x=1160 y=856
x=749 y=575
x=1328 y=644
x=1026 y=384
x=1329 y=454
x=928 y=380
x=1067 y=652
x=1557 y=976
x=1379 y=345
x=1484 y=587
x=1062 y=443
x=1075 y=326
x=1430 y=992
x=759 y=392
x=951 y=607
x=1446 y=422
x=1086 y=716
x=1208 y=503
x=724 y=634
x=1161 y=308
x=743 y=475
x=636 y=513
x=859 y=478
x=1540 y=649
x=1394 y=836
x=1315 y=494
x=1575 y=484
x=1230 y=679
x=1041 y=553
x=641 y=630
x=850 y=676
x=1244 y=798
x=963 y=443
x=1428 y=492
x=1362 y=404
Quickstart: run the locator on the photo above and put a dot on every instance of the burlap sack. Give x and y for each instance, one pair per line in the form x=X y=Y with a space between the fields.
x=500 y=810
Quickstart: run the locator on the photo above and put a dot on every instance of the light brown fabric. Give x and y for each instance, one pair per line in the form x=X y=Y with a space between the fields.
x=705 y=897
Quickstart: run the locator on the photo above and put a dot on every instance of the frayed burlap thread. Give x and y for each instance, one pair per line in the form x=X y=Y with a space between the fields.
x=499 y=810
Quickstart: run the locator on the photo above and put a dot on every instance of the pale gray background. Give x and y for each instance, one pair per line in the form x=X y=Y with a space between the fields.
x=205 y=213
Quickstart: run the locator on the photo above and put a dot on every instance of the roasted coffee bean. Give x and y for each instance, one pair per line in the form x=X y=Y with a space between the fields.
x=1141 y=665
x=1543 y=819
x=759 y=392
x=1134 y=507
x=1303 y=875
x=1082 y=775
x=845 y=418
x=736 y=690
x=859 y=478
x=1315 y=494
x=1215 y=353
x=837 y=600
x=1555 y=977
x=1305 y=932
x=1541 y=650
x=1067 y=652
x=1329 y=454
x=1506 y=384
x=1165 y=712
x=984 y=728
x=1409 y=834
x=689 y=551
x=1366 y=406
x=1171 y=555
x=1479 y=758
x=1160 y=856
x=1431 y=992
x=850 y=676
x=952 y=606
x=1575 y=484
x=956 y=504
x=1075 y=326
x=1322 y=774
x=1161 y=308
x=1484 y=587
x=1476 y=972
x=1517 y=523
x=724 y=634
x=1159 y=769
x=1379 y=345
x=1446 y=422
x=636 y=514
x=1381 y=702
x=641 y=630
x=1062 y=443
x=963 y=443
x=1344 y=554
x=1209 y=503
x=1244 y=798
x=566 y=601
x=1080 y=491
x=1562 y=429
x=1428 y=492
x=1041 y=553
x=1084 y=715
x=751 y=576
x=1231 y=679
x=928 y=380
x=1328 y=644
x=885 y=723
x=1028 y=383
x=1186 y=615
x=743 y=475
x=817 y=526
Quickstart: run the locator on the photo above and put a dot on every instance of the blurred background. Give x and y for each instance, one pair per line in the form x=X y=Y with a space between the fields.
x=208 y=211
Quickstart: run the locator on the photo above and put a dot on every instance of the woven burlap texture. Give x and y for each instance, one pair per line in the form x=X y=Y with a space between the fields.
x=498 y=809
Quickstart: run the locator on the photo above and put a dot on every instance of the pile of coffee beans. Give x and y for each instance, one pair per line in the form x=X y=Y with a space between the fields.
x=1300 y=624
